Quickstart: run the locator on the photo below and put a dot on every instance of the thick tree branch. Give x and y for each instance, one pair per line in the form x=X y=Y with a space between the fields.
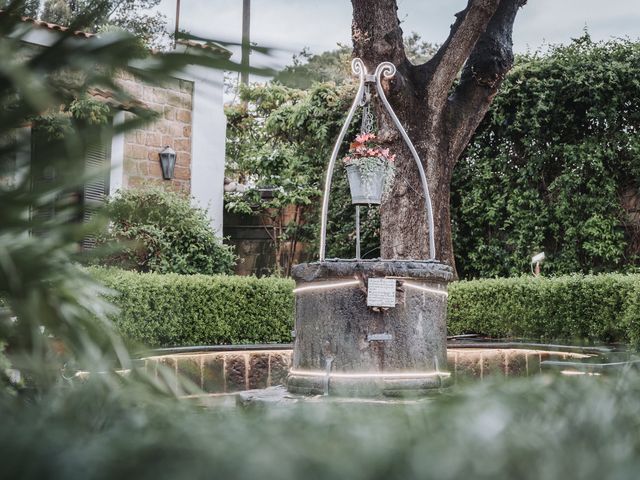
x=377 y=37
x=376 y=32
x=488 y=64
x=441 y=71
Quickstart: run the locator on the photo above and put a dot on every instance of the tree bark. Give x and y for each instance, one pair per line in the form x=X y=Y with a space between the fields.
x=439 y=118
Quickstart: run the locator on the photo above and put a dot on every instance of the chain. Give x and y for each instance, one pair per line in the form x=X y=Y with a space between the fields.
x=368 y=121
x=368 y=126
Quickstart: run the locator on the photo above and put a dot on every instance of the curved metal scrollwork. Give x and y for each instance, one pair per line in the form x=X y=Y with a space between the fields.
x=386 y=69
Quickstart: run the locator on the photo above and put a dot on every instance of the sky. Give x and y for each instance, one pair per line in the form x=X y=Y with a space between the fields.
x=320 y=25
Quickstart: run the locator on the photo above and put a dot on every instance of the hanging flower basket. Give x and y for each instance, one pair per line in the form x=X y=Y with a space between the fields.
x=367 y=185
x=370 y=170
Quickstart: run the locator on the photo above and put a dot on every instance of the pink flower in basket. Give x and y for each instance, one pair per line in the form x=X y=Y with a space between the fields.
x=366 y=145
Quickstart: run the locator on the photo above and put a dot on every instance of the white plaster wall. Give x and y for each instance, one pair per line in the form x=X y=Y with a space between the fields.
x=117 y=156
x=208 y=141
x=40 y=36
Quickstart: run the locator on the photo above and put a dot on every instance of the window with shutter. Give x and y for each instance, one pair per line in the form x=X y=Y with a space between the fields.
x=97 y=164
x=91 y=196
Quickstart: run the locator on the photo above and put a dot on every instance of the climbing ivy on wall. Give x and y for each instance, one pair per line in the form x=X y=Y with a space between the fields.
x=555 y=166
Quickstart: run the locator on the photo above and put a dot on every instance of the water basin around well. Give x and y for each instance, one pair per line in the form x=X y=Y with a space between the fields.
x=230 y=369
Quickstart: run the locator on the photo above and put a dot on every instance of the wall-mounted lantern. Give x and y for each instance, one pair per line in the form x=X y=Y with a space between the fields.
x=167 y=162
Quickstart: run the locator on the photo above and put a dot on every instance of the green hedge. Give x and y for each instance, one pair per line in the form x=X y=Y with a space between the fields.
x=589 y=308
x=631 y=318
x=179 y=310
x=163 y=310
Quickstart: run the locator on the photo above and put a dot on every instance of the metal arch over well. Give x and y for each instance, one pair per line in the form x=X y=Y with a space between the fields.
x=387 y=70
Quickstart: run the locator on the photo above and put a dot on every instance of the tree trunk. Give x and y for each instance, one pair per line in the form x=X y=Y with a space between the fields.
x=438 y=118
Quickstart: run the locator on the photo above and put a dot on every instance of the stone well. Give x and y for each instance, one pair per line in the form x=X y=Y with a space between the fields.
x=344 y=347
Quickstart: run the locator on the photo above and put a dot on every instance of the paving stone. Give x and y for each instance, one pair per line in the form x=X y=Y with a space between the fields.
x=166 y=373
x=516 y=363
x=213 y=373
x=151 y=367
x=553 y=356
x=279 y=369
x=189 y=367
x=533 y=363
x=468 y=364
x=258 y=370
x=235 y=373
x=493 y=362
x=451 y=360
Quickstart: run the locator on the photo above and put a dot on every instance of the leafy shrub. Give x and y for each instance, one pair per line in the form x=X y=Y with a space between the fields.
x=631 y=318
x=573 y=308
x=160 y=231
x=173 y=310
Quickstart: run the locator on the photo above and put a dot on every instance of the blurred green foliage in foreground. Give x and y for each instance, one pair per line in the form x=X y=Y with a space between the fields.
x=540 y=428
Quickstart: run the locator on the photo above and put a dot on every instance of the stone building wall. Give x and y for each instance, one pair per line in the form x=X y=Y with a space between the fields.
x=190 y=119
x=174 y=104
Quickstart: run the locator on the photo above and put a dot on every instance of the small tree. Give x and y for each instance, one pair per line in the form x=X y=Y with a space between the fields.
x=156 y=230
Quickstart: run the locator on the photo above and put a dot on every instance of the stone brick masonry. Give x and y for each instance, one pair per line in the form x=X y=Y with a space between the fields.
x=227 y=372
x=173 y=103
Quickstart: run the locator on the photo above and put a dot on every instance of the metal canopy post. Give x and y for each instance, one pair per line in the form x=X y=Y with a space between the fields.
x=388 y=70
x=357 y=232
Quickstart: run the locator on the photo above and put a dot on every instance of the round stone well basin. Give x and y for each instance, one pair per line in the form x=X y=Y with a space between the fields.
x=227 y=369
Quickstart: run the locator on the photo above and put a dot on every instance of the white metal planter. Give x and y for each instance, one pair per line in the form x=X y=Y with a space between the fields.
x=367 y=184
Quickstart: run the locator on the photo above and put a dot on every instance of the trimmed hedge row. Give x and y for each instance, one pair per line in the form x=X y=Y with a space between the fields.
x=174 y=310
x=177 y=310
x=578 y=308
